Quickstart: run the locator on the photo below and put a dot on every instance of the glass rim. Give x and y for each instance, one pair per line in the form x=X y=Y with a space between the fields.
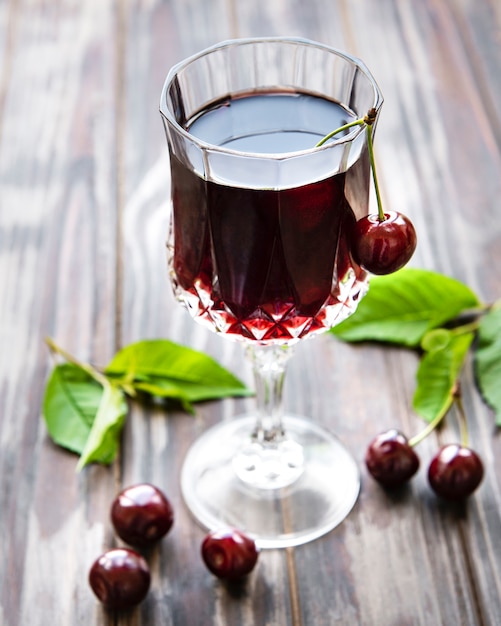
x=331 y=144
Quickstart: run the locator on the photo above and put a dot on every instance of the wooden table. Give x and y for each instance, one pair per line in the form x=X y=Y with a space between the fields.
x=84 y=188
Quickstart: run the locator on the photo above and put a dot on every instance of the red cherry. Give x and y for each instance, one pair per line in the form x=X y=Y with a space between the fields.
x=229 y=554
x=383 y=246
x=120 y=578
x=141 y=515
x=390 y=459
x=455 y=472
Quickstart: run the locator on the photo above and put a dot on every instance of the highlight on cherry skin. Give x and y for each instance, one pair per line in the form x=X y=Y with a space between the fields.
x=141 y=515
x=120 y=578
x=229 y=554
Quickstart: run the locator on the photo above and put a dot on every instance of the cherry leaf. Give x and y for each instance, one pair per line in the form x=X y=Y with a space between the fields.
x=162 y=365
x=437 y=375
x=71 y=401
x=85 y=410
x=487 y=361
x=402 y=307
x=163 y=388
x=104 y=436
x=83 y=415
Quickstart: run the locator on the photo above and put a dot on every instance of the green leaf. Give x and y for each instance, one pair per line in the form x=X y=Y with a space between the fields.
x=163 y=388
x=103 y=440
x=402 y=307
x=83 y=416
x=85 y=410
x=191 y=391
x=164 y=365
x=488 y=362
x=437 y=376
x=71 y=401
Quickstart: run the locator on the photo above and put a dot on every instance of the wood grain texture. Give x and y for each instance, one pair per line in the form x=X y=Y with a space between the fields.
x=57 y=271
x=84 y=188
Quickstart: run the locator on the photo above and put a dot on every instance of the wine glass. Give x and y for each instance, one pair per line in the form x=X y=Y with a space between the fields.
x=259 y=252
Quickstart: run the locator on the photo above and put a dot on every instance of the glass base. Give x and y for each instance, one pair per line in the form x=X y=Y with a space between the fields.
x=222 y=488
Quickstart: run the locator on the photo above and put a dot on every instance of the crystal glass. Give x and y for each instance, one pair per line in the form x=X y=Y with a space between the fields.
x=259 y=252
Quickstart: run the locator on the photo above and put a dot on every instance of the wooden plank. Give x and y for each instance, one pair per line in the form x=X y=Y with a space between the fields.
x=8 y=30
x=57 y=264
x=476 y=47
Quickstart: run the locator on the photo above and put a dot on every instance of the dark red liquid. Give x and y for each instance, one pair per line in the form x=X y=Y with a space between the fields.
x=265 y=264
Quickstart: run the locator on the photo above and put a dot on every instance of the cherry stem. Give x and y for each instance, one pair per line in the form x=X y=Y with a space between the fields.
x=433 y=424
x=455 y=396
x=463 y=424
x=370 y=146
x=366 y=121
x=359 y=122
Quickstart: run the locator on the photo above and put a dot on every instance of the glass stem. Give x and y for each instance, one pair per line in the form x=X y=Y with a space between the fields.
x=269 y=364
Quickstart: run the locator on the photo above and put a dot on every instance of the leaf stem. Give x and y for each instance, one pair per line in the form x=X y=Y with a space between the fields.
x=95 y=374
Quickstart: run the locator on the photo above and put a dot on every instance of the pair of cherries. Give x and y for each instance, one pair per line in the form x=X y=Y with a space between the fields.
x=142 y=515
x=454 y=472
